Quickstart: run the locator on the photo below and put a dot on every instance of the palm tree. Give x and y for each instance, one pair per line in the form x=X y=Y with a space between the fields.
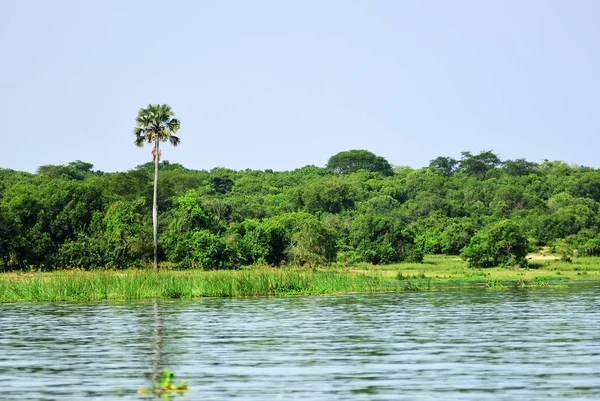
x=156 y=124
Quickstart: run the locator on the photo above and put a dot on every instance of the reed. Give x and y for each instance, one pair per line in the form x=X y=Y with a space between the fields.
x=77 y=285
x=437 y=272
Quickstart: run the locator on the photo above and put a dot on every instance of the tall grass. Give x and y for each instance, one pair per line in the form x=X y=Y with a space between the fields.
x=78 y=285
x=145 y=284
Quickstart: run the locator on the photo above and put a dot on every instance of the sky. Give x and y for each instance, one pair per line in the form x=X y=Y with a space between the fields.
x=271 y=84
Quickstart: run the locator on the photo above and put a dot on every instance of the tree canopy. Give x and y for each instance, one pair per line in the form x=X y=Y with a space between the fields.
x=75 y=216
x=352 y=161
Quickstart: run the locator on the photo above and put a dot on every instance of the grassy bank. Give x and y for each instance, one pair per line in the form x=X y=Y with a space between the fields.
x=436 y=272
x=145 y=284
x=449 y=269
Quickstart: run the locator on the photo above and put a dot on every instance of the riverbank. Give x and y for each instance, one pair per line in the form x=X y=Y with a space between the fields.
x=436 y=272
x=77 y=285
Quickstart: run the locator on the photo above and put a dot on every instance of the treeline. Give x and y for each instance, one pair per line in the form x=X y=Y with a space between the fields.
x=356 y=209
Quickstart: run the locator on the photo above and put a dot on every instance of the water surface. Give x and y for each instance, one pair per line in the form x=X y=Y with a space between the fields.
x=470 y=344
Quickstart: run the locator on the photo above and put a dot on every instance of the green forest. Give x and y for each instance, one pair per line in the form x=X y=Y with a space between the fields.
x=358 y=208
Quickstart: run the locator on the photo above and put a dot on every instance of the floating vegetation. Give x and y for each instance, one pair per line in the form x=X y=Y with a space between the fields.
x=531 y=284
x=165 y=386
x=495 y=284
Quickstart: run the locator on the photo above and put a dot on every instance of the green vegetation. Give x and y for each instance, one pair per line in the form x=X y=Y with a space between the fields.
x=501 y=244
x=435 y=273
x=165 y=386
x=356 y=211
x=79 y=285
x=356 y=160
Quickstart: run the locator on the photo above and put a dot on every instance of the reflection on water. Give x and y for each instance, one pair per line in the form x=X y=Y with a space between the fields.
x=158 y=337
x=472 y=344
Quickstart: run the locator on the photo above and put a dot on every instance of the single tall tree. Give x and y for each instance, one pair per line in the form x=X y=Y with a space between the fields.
x=156 y=124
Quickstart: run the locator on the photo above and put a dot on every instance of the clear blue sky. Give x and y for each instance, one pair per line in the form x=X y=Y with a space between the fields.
x=282 y=84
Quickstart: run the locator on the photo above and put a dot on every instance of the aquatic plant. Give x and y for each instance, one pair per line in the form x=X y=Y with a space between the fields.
x=135 y=284
x=537 y=283
x=494 y=284
x=165 y=386
x=144 y=284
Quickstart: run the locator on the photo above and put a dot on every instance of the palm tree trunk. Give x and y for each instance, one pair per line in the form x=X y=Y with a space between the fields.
x=155 y=205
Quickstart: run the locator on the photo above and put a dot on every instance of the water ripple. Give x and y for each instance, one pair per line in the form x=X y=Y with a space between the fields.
x=471 y=344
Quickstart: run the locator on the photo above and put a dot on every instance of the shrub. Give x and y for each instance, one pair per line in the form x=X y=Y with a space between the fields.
x=313 y=244
x=501 y=244
x=590 y=248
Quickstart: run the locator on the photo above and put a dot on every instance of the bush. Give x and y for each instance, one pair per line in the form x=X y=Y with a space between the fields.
x=564 y=248
x=377 y=253
x=313 y=244
x=502 y=244
x=412 y=254
x=199 y=249
x=590 y=248
x=456 y=236
x=586 y=242
x=86 y=252
x=430 y=242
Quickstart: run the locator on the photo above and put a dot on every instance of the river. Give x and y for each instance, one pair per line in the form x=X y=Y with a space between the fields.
x=479 y=344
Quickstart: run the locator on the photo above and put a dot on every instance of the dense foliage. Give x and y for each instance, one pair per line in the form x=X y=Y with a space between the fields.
x=490 y=211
